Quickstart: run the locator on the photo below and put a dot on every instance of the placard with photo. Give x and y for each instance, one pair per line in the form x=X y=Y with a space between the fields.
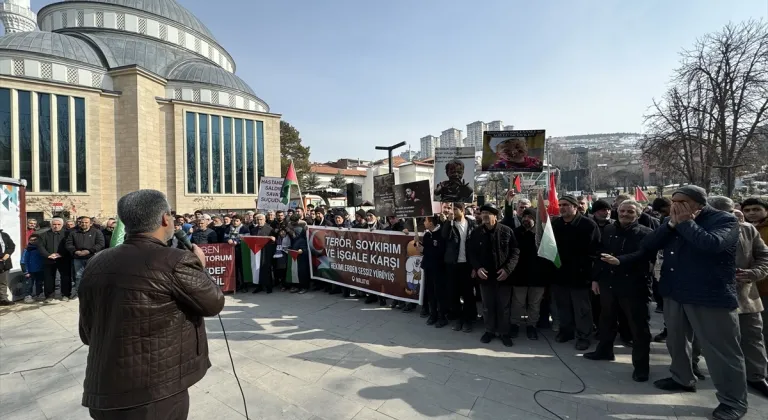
x=513 y=151
x=454 y=174
x=413 y=199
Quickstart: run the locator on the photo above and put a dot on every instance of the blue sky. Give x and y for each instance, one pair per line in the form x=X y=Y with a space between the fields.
x=352 y=74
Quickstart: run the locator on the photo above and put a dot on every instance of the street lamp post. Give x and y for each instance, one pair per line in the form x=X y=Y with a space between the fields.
x=389 y=150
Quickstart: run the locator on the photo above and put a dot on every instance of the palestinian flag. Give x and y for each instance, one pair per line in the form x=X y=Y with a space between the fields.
x=118 y=236
x=640 y=196
x=547 y=244
x=292 y=267
x=290 y=180
x=251 y=254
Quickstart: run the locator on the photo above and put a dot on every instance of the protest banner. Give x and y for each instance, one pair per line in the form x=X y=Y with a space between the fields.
x=454 y=174
x=220 y=263
x=379 y=262
x=270 y=188
x=513 y=151
x=384 y=195
x=413 y=199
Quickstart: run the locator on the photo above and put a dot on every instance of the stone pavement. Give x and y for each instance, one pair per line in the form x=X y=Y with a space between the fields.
x=317 y=356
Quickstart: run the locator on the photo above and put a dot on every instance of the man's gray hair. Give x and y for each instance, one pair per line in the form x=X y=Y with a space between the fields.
x=142 y=211
x=524 y=201
x=628 y=202
x=59 y=219
x=722 y=203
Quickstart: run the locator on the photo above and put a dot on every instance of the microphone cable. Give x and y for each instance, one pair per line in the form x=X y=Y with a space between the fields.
x=556 y=391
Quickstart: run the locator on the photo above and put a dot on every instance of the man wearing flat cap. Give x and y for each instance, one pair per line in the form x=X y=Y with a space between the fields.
x=698 y=285
x=493 y=253
x=578 y=241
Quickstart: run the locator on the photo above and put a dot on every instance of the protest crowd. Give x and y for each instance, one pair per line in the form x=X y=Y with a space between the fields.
x=703 y=260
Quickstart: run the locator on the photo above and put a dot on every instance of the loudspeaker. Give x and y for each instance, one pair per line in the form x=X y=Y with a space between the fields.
x=354 y=195
x=480 y=200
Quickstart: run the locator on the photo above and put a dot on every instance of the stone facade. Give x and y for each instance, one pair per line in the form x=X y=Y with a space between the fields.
x=135 y=139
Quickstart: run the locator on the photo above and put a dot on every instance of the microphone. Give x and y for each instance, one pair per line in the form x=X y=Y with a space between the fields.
x=182 y=238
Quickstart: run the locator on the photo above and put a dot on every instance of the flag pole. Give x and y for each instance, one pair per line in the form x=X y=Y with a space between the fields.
x=298 y=187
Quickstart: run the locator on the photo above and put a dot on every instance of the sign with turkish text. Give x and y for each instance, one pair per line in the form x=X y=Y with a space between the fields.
x=220 y=264
x=378 y=262
x=270 y=188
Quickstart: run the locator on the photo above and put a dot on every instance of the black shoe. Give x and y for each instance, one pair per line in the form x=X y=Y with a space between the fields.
x=562 y=337
x=582 y=344
x=371 y=299
x=6 y=302
x=669 y=384
x=507 y=341
x=725 y=412
x=382 y=302
x=409 y=307
x=661 y=337
x=760 y=386
x=441 y=323
x=467 y=327
x=599 y=355
x=487 y=337
x=431 y=320
x=269 y=291
x=345 y=294
x=514 y=331
x=424 y=312
x=627 y=342
x=531 y=332
x=458 y=326
x=697 y=372
x=639 y=377
x=256 y=290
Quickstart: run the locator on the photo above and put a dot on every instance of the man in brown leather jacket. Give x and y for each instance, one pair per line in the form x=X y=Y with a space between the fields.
x=141 y=313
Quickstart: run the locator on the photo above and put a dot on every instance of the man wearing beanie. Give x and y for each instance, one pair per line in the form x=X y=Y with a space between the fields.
x=578 y=240
x=698 y=285
x=492 y=251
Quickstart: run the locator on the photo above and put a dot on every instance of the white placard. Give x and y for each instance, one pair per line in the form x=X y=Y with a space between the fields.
x=269 y=194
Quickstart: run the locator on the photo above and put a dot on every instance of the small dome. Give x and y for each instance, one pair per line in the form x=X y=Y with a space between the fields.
x=168 y=9
x=202 y=72
x=53 y=45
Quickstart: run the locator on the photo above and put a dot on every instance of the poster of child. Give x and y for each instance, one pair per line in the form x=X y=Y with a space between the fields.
x=513 y=151
x=454 y=174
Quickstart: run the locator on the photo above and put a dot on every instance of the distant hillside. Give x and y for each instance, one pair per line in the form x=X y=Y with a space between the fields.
x=598 y=136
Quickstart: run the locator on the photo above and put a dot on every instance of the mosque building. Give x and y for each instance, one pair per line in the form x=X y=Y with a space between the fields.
x=102 y=97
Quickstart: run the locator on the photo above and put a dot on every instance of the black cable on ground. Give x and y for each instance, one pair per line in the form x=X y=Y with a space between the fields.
x=245 y=406
x=556 y=391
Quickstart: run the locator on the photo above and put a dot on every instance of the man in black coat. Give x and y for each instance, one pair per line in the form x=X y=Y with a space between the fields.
x=82 y=244
x=7 y=247
x=109 y=228
x=645 y=219
x=320 y=219
x=531 y=277
x=203 y=234
x=623 y=283
x=433 y=248
x=57 y=260
x=456 y=232
x=493 y=254
x=261 y=228
x=578 y=240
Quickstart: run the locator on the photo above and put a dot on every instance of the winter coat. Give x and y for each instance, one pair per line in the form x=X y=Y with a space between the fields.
x=699 y=259
x=143 y=323
x=751 y=256
x=577 y=245
x=511 y=219
x=345 y=225
x=6 y=248
x=452 y=238
x=107 y=237
x=91 y=240
x=433 y=251
x=762 y=227
x=202 y=237
x=493 y=250
x=31 y=260
x=234 y=233
x=324 y=222
x=632 y=277
x=531 y=270
x=51 y=242
x=299 y=242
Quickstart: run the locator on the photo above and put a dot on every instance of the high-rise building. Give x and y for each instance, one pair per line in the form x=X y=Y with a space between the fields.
x=495 y=126
x=451 y=138
x=475 y=135
x=509 y=127
x=428 y=144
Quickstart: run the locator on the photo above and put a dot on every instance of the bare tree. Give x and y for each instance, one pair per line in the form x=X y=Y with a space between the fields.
x=712 y=114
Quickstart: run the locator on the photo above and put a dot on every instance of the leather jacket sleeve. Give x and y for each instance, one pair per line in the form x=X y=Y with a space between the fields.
x=194 y=289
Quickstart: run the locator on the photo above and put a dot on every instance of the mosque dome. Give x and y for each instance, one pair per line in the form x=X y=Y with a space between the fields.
x=50 y=44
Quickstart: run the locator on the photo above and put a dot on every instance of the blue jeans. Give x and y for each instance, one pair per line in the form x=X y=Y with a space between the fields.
x=79 y=266
x=35 y=279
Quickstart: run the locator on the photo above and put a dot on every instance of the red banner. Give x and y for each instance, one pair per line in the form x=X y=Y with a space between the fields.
x=220 y=263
